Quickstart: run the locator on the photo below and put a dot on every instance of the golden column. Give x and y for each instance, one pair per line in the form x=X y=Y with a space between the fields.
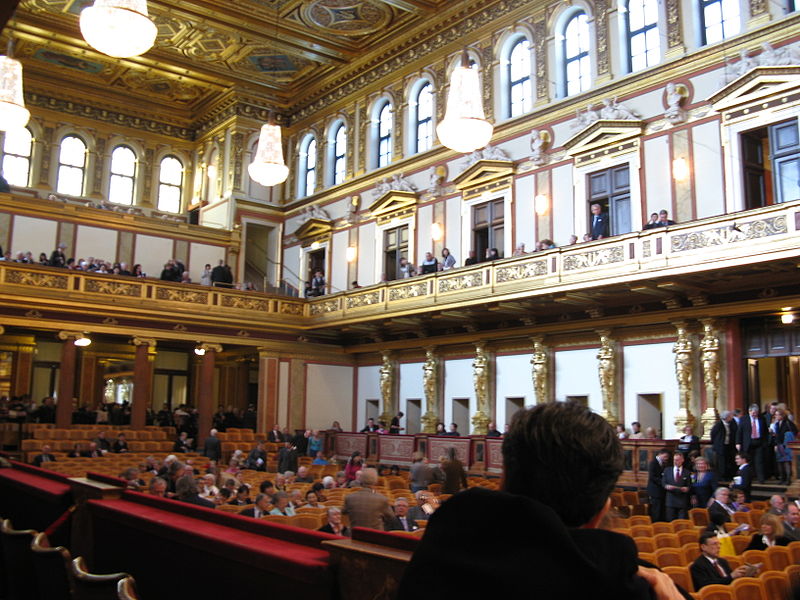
x=709 y=355
x=480 y=377
x=387 y=388
x=540 y=370
x=683 y=373
x=430 y=383
x=607 y=372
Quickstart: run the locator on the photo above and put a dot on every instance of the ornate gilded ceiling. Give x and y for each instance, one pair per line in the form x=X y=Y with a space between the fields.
x=282 y=51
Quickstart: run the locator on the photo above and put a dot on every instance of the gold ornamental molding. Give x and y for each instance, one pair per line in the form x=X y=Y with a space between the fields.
x=540 y=372
x=607 y=372
x=605 y=137
x=480 y=379
x=143 y=341
x=210 y=347
x=314 y=230
x=483 y=173
x=387 y=385
x=684 y=367
x=430 y=384
x=394 y=203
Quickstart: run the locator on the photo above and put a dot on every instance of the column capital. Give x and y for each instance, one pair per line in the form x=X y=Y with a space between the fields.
x=143 y=341
x=210 y=347
x=67 y=335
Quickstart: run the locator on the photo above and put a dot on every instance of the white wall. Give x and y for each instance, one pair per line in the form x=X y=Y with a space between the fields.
x=513 y=380
x=338 y=275
x=366 y=256
x=36 y=235
x=524 y=217
x=563 y=207
x=369 y=388
x=329 y=394
x=201 y=255
x=576 y=375
x=283 y=394
x=650 y=369
x=97 y=242
x=657 y=173
x=424 y=242
x=707 y=170
x=458 y=384
x=152 y=252
x=452 y=240
x=291 y=267
x=411 y=387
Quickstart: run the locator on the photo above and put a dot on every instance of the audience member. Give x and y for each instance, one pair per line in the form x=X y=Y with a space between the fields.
x=102 y=443
x=280 y=503
x=653 y=222
x=420 y=476
x=752 y=438
x=287 y=458
x=402 y=521
x=394 y=426
x=655 y=484
x=710 y=568
x=334 y=524
x=45 y=457
x=365 y=507
x=688 y=442
x=186 y=491
x=183 y=443
x=599 y=227
x=448 y=260
x=121 y=445
x=791 y=522
x=723 y=442
x=455 y=478
x=257 y=458
x=472 y=259
x=743 y=480
x=677 y=485
x=720 y=511
x=636 y=431
x=704 y=482
x=303 y=476
x=429 y=265
x=770 y=534
x=354 y=464
x=157 y=487
x=777 y=505
x=260 y=507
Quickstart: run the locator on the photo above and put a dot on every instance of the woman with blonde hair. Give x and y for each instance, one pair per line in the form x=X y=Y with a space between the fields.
x=771 y=534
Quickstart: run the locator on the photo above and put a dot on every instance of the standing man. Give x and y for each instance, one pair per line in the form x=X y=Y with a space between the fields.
x=366 y=507
x=212 y=449
x=599 y=223
x=655 y=484
x=743 y=480
x=677 y=484
x=752 y=438
x=709 y=568
x=402 y=521
x=723 y=441
x=394 y=427
x=275 y=436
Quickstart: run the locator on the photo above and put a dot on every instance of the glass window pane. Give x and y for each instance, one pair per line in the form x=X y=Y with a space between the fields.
x=169 y=198
x=73 y=152
x=123 y=161
x=70 y=180
x=120 y=189
x=16 y=170
x=18 y=141
x=171 y=171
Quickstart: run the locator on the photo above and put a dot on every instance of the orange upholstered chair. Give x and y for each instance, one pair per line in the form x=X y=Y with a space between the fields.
x=645 y=544
x=699 y=516
x=717 y=592
x=779 y=558
x=681 y=576
x=775 y=584
x=669 y=557
x=748 y=588
x=667 y=540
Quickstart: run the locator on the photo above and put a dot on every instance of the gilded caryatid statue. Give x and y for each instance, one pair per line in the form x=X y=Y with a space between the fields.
x=387 y=388
x=430 y=385
x=710 y=358
x=480 y=378
x=607 y=372
x=539 y=370
x=684 y=364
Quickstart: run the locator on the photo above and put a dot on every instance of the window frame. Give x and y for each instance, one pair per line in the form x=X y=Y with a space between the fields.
x=162 y=183
x=307 y=169
x=112 y=175
x=63 y=167
x=338 y=170
x=383 y=139
x=577 y=58
x=631 y=34
x=28 y=159
x=424 y=122
x=704 y=27
x=524 y=82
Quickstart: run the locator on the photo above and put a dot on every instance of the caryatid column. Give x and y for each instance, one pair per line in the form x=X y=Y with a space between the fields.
x=387 y=382
x=684 y=365
x=430 y=384
x=480 y=378
x=142 y=380
x=540 y=370
x=607 y=372
x=710 y=356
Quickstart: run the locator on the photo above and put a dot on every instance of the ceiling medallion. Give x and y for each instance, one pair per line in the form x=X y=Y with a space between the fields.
x=347 y=17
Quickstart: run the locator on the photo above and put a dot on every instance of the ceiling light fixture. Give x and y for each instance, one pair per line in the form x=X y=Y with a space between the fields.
x=82 y=341
x=118 y=28
x=13 y=113
x=464 y=127
x=787 y=318
x=268 y=167
x=200 y=350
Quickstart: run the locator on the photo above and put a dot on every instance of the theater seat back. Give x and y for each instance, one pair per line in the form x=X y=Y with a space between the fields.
x=51 y=566
x=18 y=562
x=91 y=586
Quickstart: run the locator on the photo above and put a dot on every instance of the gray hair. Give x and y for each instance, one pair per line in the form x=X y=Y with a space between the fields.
x=401 y=499
x=332 y=510
x=185 y=486
x=328 y=480
x=369 y=477
x=725 y=414
x=720 y=490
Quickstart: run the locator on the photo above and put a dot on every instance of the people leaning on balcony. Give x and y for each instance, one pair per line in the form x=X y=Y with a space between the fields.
x=429 y=265
x=448 y=260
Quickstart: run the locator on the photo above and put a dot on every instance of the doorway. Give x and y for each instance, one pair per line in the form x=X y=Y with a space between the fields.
x=372 y=410
x=413 y=415
x=460 y=415
x=649 y=413
x=512 y=406
x=257 y=263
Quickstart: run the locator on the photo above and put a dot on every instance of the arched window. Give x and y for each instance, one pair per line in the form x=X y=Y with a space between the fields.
x=123 y=173
x=308 y=166
x=71 y=166
x=339 y=153
x=577 y=68
x=385 y=135
x=719 y=20
x=170 y=184
x=423 y=129
x=519 y=78
x=17 y=156
x=641 y=19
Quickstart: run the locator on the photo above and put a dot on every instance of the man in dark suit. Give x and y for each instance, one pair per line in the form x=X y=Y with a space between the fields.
x=275 y=436
x=723 y=441
x=402 y=521
x=367 y=508
x=655 y=484
x=709 y=568
x=743 y=480
x=212 y=449
x=599 y=227
x=677 y=485
x=791 y=522
x=663 y=219
x=44 y=457
x=720 y=511
x=287 y=458
x=259 y=508
x=752 y=438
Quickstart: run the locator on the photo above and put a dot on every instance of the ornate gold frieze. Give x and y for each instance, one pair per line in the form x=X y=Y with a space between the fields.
x=290 y=308
x=540 y=41
x=326 y=306
x=187 y=296
x=684 y=366
x=456 y=283
x=112 y=287
x=601 y=28
x=646 y=249
x=674 y=33
x=365 y=299
x=231 y=301
x=710 y=357
x=413 y=290
x=594 y=258
x=519 y=272
x=721 y=236
x=40 y=280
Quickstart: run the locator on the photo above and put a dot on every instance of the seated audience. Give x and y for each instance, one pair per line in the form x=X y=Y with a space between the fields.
x=420 y=476
x=720 y=511
x=402 y=521
x=312 y=501
x=320 y=459
x=448 y=260
x=257 y=458
x=710 y=568
x=131 y=477
x=738 y=501
x=287 y=458
x=426 y=504
x=242 y=497
x=743 y=479
x=44 y=457
x=121 y=445
x=777 y=505
x=186 y=491
x=93 y=451
x=771 y=534
x=791 y=522
x=280 y=503
x=207 y=488
x=334 y=524
x=296 y=499
x=183 y=443
x=102 y=443
x=260 y=507
x=429 y=265
x=319 y=489
x=266 y=487
x=493 y=431
x=157 y=487
x=303 y=475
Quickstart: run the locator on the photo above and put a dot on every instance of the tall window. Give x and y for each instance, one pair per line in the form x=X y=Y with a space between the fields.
x=487 y=227
x=611 y=189
x=519 y=78
x=577 y=67
x=17 y=156
x=424 y=121
x=71 y=166
x=771 y=164
x=170 y=184
x=385 y=135
x=307 y=166
x=643 y=42
x=123 y=172
x=719 y=20
x=339 y=153
x=395 y=247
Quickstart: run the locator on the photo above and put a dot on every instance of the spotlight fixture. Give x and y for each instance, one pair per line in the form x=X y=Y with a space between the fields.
x=200 y=350
x=82 y=341
x=787 y=318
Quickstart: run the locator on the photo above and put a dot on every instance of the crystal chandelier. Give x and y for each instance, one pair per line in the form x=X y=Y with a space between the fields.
x=464 y=127
x=268 y=167
x=119 y=28
x=13 y=113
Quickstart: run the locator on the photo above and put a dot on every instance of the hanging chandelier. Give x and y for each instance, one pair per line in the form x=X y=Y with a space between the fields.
x=13 y=113
x=268 y=167
x=118 y=28
x=464 y=127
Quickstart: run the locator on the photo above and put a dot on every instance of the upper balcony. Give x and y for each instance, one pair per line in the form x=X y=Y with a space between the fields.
x=736 y=264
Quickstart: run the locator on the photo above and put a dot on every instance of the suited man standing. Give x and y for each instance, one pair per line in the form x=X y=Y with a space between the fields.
x=743 y=480
x=599 y=223
x=212 y=449
x=367 y=508
x=677 y=485
x=709 y=568
x=275 y=436
x=655 y=484
x=752 y=438
x=723 y=441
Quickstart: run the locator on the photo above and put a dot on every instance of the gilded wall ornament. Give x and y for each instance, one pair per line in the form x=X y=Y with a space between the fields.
x=607 y=372
x=721 y=236
x=480 y=380
x=386 y=375
x=710 y=358
x=430 y=384
x=684 y=365
x=540 y=370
